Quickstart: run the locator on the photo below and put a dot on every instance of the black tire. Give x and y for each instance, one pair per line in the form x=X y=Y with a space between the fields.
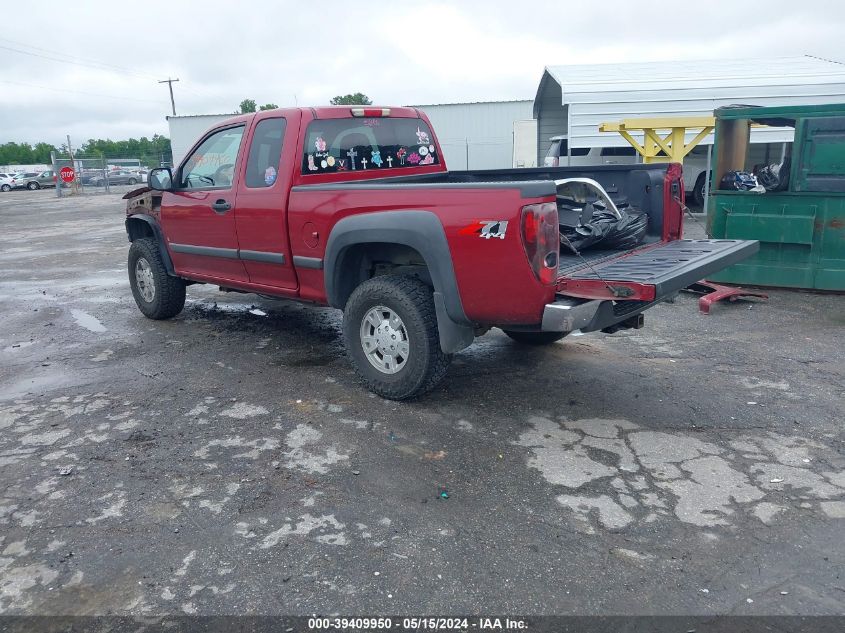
x=698 y=192
x=5 y=188
x=32 y=186
x=413 y=302
x=168 y=296
x=535 y=338
x=132 y=181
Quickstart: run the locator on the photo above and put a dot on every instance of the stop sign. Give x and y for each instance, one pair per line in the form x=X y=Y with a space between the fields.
x=67 y=174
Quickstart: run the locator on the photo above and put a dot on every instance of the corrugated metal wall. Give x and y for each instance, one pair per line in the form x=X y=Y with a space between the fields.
x=551 y=117
x=477 y=135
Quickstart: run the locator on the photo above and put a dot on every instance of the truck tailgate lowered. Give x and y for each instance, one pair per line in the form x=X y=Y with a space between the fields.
x=665 y=268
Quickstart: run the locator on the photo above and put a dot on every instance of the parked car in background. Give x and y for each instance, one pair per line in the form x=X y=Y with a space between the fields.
x=6 y=181
x=35 y=180
x=86 y=175
x=559 y=154
x=26 y=180
x=119 y=177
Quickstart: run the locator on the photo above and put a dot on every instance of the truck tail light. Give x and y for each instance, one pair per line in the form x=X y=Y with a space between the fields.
x=673 y=202
x=370 y=112
x=541 y=239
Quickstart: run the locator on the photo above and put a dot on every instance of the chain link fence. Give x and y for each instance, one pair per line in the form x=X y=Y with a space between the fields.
x=95 y=175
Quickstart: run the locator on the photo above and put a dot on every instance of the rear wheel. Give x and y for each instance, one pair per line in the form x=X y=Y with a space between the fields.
x=132 y=181
x=535 y=338
x=391 y=336
x=158 y=295
x=33 y=186
x=5 y=188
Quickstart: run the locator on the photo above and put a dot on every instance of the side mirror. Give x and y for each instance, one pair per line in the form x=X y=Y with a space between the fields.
x=160 y=179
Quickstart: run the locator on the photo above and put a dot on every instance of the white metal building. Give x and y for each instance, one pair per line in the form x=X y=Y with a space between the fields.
x=575 y=100
x=186 y=130
x=480 y=135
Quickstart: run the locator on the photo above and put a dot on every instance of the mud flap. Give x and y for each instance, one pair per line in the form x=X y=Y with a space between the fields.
x=453 y=336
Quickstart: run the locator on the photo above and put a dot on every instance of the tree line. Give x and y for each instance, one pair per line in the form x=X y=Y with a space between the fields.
x=359 y=98
x=150 y=151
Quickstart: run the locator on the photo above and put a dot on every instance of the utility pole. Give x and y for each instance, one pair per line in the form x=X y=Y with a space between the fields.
x=56 y=174
x=169 y=83
x=77 y=178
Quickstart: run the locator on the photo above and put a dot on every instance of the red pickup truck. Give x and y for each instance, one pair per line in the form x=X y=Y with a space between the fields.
x=353 y=207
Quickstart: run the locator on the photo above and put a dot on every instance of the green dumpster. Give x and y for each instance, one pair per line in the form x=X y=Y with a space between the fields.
x=801 y=222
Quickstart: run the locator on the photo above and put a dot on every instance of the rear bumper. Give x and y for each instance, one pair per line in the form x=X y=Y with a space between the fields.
x=568 y=314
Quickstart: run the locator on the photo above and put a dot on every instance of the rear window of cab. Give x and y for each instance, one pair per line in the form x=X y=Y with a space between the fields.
x=333 y=145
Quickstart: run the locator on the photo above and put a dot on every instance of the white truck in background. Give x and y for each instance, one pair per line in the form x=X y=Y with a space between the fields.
x=695 y=163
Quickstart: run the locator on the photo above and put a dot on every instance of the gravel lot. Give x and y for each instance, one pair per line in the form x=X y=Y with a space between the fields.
x=227 y=462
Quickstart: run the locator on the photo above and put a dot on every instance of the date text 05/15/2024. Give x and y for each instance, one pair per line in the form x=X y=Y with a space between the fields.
x=416 y=624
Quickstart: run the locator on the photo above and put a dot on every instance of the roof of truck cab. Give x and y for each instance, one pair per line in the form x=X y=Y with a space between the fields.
x=344 y=111
x=323 y=112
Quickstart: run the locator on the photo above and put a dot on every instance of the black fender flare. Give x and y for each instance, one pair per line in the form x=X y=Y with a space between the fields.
x=157 y=234
x=420 y=230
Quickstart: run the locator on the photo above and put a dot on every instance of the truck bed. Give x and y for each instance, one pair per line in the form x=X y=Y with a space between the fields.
x=570 y=263
x=642 y=184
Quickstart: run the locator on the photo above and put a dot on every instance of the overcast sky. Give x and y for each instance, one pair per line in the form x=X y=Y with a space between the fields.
x=92 y=67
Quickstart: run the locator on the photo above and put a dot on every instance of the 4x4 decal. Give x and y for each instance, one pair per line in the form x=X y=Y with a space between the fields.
x=486 y=229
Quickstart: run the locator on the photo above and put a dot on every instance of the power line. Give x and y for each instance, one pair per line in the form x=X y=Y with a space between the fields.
x=70 y=59
x=88 y=62
x=79 y=92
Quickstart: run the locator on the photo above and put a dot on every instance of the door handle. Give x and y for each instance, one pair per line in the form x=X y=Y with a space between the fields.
x=221 y=206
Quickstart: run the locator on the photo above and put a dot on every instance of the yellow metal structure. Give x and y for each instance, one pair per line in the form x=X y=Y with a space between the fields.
x=657 y=148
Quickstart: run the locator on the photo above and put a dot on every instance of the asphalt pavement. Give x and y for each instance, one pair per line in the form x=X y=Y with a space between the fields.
x=227 y=461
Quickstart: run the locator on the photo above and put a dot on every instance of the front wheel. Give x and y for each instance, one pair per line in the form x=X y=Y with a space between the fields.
x=158 y=295
x=535 y=338
x=5 y=188
x=391 y=336
x=132 y=181
x=33 y=186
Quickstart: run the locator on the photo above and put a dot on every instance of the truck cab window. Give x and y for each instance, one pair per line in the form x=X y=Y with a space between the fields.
x=334 y=145
x=212 y=164
x=262 y=165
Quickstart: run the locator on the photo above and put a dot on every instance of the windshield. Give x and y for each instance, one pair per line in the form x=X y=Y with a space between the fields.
x=554 y=149
x=334 y=145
